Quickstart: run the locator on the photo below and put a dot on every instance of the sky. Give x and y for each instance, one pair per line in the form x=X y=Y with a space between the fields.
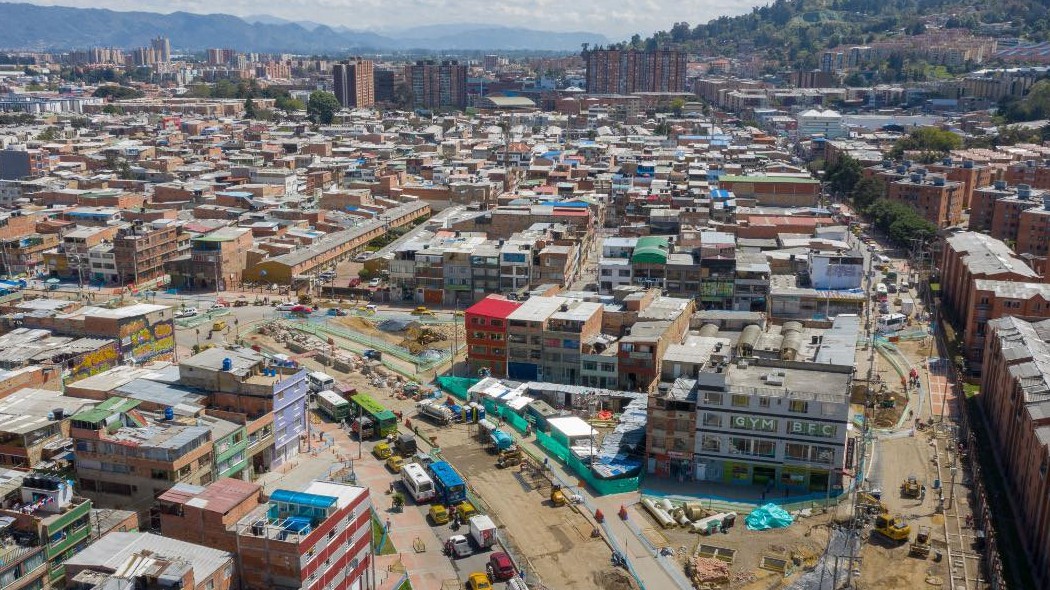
x=616 y=19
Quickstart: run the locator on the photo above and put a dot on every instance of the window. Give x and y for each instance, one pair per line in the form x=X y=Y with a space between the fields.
x=765 y=448
x=798 y=406
x=711 y=443
x=763 y=402
x=796 y=452
x=712 y=420
x=496 y=323
x=740 y=400
x=740 y=446
x=713 y=397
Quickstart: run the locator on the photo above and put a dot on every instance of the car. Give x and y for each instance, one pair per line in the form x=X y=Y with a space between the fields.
x=188 y=312
x=375 y=282
x=382 y=451
x=459 y=546
x=240 y=303
x=301 y=309
x=479 y=581
x=438 y=514
x=500 y=566
x=361 y=257
x=286 y=307
x=891 y=288
x=371 y=308
x=421 y=311
x=395 y=463
x=335 y=311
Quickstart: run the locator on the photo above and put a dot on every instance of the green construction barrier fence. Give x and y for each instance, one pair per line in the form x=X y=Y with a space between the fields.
x=457 y=386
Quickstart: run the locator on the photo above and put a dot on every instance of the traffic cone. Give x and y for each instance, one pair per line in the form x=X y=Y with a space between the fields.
x=623 y=512
x=598 y=516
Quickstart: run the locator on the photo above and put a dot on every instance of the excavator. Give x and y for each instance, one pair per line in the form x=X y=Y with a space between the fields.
x=894 y=528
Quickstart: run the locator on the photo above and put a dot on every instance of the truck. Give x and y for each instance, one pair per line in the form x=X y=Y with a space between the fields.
x=907 y=306
x=435 y=410
x=483 y=531
x=406 y=444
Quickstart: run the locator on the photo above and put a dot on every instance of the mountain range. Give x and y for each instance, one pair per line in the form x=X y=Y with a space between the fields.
x=32 y=27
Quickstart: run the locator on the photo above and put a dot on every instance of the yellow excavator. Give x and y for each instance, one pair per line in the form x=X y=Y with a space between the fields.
x=894 y=528
x=870 y=503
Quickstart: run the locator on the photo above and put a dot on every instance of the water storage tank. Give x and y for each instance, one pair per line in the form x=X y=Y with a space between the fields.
x=709 y=330
x=169 y=413
x=792 y=340
x=748 y=338
x=227 y=364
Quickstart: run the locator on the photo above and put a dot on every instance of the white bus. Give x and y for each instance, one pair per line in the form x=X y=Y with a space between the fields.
x=319 y=381
x=417 y=482
x=893 y=322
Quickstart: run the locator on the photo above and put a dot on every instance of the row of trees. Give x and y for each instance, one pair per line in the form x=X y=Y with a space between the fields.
x=897 y=220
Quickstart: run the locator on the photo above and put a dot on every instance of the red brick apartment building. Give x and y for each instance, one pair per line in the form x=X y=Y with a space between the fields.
x=969 y=173
x=981 y=280
x=1015 y=396
x=938 y=200
x=486 y=326
x=314 y=539
x=1031 y=172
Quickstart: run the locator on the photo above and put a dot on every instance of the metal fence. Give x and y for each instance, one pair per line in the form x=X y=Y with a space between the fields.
x=323 y=331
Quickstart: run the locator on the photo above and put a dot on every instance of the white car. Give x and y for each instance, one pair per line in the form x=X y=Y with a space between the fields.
x=375 y=282
x=189 y=312
x=286 y=307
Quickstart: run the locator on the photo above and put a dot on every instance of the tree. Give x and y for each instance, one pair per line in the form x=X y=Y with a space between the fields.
x=287 y=103
x=116 y=92
x=677 y=104
x=930 y=141
x=866 y=192
x=112 y=109
x=49 y=134
x=249 y=108
x=321 y=107
x=843 y=176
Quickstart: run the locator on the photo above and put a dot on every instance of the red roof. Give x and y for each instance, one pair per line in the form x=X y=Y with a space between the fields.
x=221 y=496
x=493 y=306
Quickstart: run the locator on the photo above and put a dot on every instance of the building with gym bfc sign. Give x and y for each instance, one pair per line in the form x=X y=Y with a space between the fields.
x=743 y=419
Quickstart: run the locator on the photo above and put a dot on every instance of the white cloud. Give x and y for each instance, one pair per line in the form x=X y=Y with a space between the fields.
x=613 y=18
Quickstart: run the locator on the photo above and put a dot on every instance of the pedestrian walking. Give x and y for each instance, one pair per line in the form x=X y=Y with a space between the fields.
x=388 y=525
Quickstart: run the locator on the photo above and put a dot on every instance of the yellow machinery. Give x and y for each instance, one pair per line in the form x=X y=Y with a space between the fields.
x=557 y=495
x=509 y=457
x=870 y=504
x=218 y=326
x=911 y=488
x=920 y=547
x=466 y=510
x=893 y=528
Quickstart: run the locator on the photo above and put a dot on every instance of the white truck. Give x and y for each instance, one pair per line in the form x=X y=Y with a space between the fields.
x=435 y=410
x=907 y=306
x=483 y=531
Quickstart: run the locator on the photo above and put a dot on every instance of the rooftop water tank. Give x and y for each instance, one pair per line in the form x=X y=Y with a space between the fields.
x=227 y=364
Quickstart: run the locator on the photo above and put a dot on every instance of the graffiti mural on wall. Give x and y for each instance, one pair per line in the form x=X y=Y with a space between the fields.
x=95 y=362
x=143 y=341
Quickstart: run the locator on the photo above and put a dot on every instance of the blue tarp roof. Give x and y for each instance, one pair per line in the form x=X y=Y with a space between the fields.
x=302 y=498
x=720 y=193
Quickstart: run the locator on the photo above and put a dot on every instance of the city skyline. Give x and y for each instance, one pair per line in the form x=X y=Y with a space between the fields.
x=627 y=18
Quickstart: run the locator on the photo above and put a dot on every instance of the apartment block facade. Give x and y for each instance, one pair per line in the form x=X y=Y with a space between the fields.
x=626 y=71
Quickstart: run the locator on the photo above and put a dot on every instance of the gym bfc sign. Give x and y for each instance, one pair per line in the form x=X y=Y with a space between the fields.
x=754 y=423
x=811 y=428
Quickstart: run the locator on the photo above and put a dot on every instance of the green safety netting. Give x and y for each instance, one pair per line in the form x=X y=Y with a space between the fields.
x=457 y=386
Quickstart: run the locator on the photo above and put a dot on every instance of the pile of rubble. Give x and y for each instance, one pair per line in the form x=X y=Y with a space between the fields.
x=707 y=572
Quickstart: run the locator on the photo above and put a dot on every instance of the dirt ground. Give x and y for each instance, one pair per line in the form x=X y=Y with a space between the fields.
x=888 y=566
x=438 y=336
x=556 y=540
x=804 y=540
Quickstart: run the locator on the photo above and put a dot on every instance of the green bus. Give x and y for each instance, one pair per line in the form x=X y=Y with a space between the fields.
x=384 y=420
x=333 y=404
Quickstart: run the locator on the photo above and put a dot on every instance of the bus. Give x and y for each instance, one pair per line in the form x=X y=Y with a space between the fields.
x=333 y=404
x=449 y=487
x=384 y=420
x=893 y=322
x=417 y=482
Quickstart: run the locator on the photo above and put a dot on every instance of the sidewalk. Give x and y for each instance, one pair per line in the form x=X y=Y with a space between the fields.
x=427 y=570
